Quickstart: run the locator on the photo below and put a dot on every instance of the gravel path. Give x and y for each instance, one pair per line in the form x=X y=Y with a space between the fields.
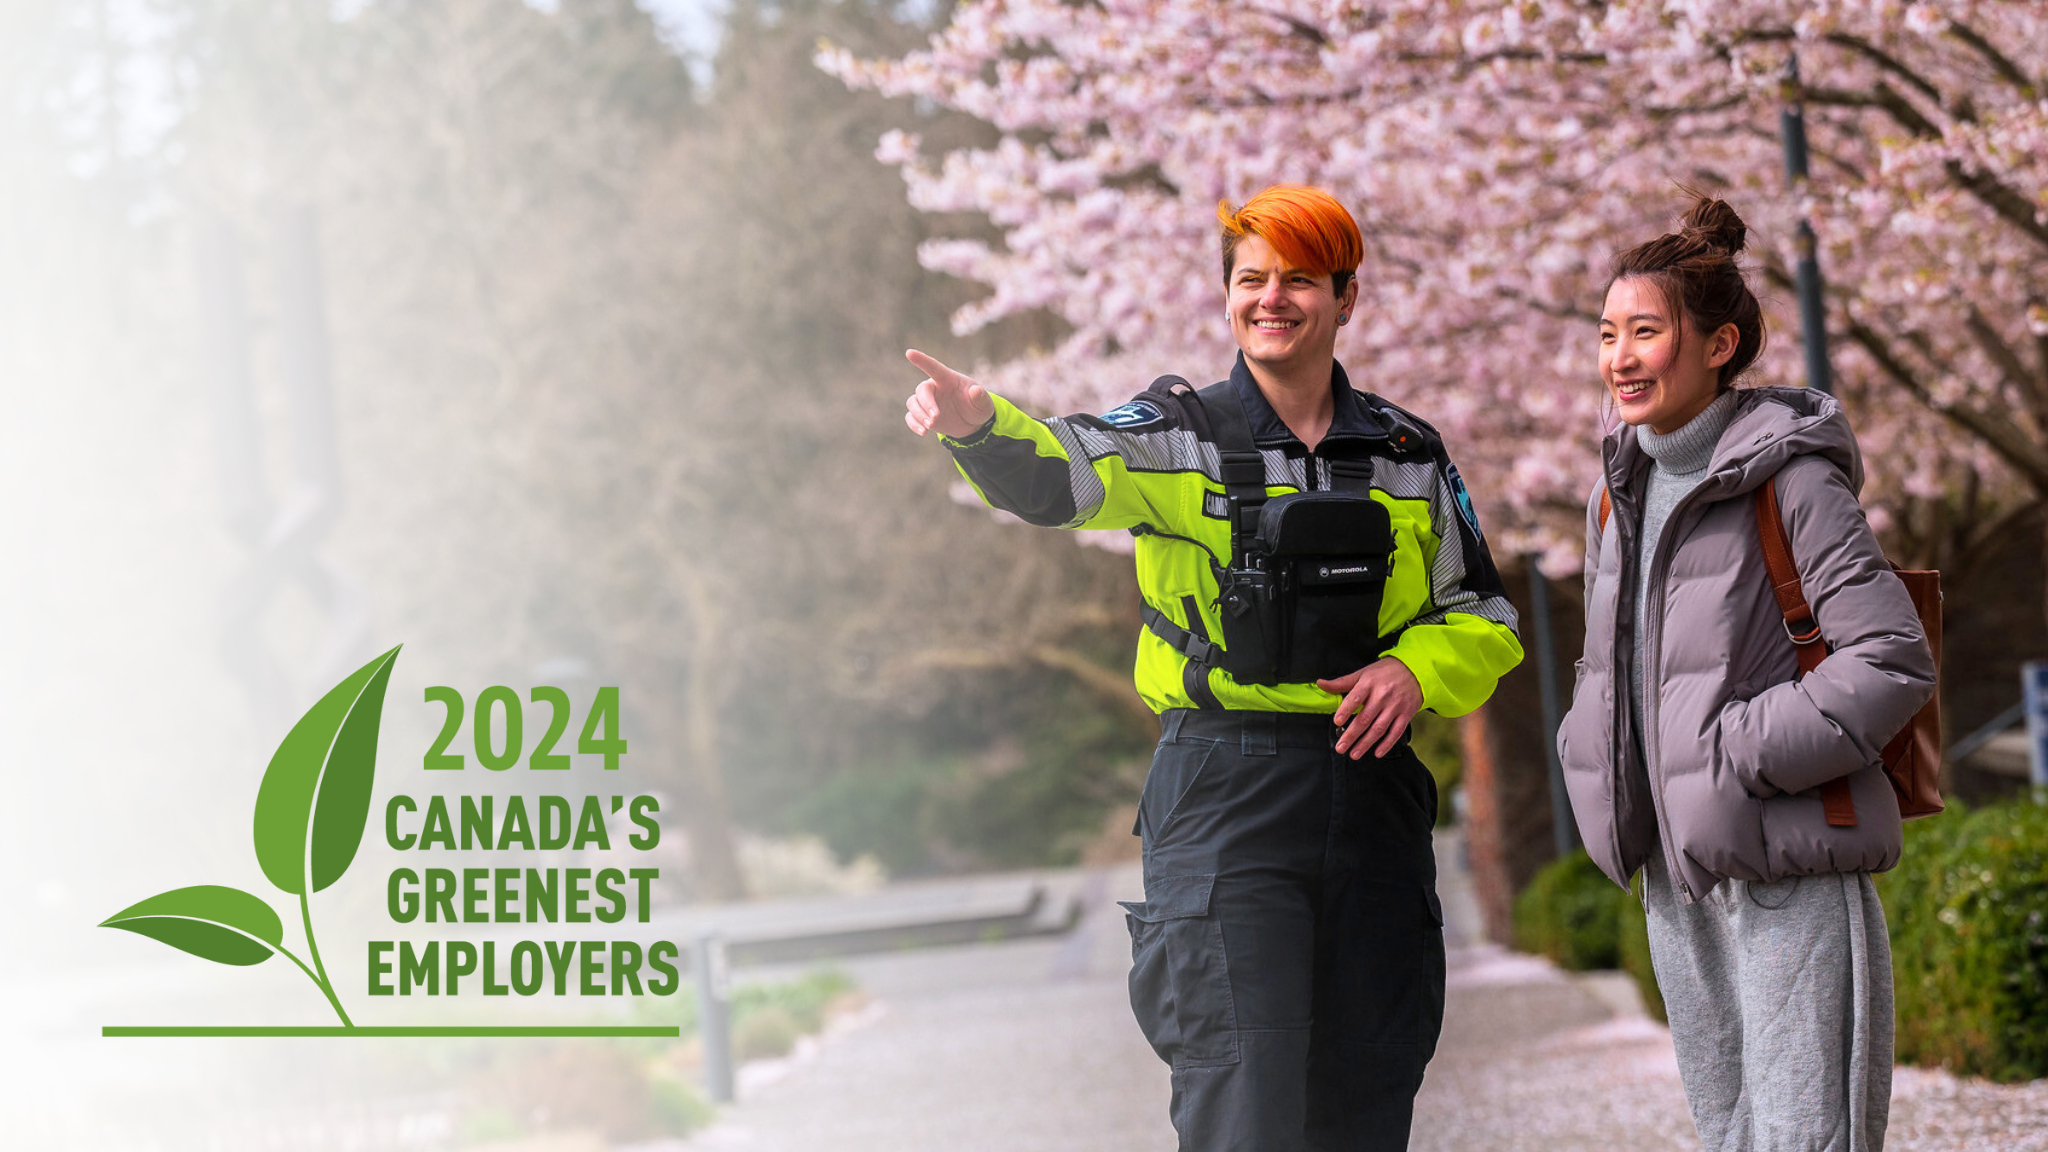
x=1029 y=1047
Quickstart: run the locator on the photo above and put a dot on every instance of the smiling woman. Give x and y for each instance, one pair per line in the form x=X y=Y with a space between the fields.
x=1749 y=794
x=1312 y=577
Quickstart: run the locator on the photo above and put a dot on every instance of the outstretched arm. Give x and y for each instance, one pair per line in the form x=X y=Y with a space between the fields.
x=1060 y=472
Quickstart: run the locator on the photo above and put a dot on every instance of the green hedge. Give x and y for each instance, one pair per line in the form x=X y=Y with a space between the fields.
x=1968 y=915
x=1571 y=913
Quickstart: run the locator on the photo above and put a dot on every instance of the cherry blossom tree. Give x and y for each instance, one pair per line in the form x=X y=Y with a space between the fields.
x=1497 y=153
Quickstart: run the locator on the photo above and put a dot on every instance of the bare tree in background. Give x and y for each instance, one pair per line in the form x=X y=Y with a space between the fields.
x=619 y=373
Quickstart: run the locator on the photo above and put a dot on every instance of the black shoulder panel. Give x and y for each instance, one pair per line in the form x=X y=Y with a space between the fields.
x=1177 y=396
x=1400 y=421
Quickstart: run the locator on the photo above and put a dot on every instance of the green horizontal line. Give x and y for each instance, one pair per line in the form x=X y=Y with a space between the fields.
x=671 y=1032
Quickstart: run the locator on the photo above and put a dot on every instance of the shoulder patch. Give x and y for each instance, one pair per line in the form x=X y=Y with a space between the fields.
x=1464 y=498
x=1134 y=415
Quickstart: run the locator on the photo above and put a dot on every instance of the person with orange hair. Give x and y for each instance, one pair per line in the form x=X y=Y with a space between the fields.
x=1313 y=575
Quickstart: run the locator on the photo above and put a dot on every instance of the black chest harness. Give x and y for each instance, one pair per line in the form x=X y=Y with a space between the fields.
x=1300 y=598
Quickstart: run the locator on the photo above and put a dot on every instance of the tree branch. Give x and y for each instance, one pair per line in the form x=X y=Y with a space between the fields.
x=1672 y=112
x=1984 y=536
x=2007 y=202
x=1113 y=688
x=1561 y=311
x=1999 y=61
x=1997 y=433
x=2009 y=362
x=1848 y=169
x=1887 y=62
x=1524 y=55
x=2040 y=339
x=1295 y=25
x=1881 y=95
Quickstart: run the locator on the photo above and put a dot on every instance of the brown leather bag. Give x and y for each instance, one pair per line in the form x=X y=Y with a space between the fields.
x=1912 y=761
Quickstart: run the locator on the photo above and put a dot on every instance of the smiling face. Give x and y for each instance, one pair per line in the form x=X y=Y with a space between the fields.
x=1284 y=319
x=1658 y=373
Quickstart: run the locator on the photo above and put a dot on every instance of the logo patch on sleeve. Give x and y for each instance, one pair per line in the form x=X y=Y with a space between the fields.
x=1464 y=499
x=1136 y=414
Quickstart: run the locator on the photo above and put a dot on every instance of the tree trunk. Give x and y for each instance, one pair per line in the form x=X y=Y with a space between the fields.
x=709 y=815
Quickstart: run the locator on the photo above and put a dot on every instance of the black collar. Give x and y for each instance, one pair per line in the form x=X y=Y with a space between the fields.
x=1351 y=420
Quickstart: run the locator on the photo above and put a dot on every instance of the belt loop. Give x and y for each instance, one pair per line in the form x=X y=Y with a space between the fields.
x=1260 y=734
x=1169 y=724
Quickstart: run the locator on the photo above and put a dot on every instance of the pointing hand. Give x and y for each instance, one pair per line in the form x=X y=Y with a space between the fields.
x=947 y=403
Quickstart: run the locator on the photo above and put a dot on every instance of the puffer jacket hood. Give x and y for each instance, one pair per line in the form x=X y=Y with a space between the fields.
x=1770 y=426
x=1736 y=743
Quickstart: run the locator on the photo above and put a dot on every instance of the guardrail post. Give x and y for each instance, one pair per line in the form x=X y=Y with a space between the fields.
x=2034 y=695
x=714 y=1018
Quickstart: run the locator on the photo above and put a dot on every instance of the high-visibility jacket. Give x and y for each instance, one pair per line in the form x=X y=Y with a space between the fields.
x=1153 y=463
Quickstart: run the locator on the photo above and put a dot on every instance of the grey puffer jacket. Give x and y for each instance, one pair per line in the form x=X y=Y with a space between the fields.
x=1737 y=744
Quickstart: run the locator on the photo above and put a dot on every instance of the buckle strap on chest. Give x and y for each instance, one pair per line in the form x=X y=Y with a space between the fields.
x=1196 y=647
x=1202 y=653
x=1351 y=476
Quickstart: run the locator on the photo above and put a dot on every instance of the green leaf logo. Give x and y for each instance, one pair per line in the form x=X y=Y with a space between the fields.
x=226 y=925
x=315 y=798
x=311 y=810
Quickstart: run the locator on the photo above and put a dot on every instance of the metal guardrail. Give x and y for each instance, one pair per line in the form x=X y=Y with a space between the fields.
x=1968 y=746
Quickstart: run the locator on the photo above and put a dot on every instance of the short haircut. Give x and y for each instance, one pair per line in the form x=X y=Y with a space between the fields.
x=1306 y=226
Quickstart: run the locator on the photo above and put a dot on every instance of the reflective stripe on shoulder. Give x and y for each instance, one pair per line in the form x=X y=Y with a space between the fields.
x=1405 y=479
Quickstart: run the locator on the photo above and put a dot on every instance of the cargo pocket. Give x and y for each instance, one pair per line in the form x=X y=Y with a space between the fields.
x=1388 y=1003
x=1180 y=977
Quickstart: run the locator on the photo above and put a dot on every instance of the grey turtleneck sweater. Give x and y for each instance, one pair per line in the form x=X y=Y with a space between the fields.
x=1679 y=463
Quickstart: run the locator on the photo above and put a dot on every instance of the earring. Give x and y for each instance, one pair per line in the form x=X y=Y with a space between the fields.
x=1343 y=316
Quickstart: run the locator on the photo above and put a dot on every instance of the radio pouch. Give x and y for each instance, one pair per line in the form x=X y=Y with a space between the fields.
x=1329 y=554
x=1300 y=597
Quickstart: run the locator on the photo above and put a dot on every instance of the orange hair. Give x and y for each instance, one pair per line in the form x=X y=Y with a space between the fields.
x=1306 y=226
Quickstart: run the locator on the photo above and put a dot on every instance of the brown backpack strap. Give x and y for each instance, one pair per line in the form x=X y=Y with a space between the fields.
x=1799 y=625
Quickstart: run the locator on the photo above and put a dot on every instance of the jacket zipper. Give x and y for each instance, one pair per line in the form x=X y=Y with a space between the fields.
x=1653 y=653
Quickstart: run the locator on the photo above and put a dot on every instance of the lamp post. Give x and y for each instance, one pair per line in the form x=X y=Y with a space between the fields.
x=1812 y=319
x=1564 y=831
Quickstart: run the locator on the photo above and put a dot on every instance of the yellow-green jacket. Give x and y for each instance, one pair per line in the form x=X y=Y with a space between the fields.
x=1153 y=462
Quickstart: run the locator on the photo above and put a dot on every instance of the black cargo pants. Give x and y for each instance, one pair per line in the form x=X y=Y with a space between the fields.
x=1288 y=959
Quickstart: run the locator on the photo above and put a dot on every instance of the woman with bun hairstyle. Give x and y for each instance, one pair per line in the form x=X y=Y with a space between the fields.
x=1695 y=752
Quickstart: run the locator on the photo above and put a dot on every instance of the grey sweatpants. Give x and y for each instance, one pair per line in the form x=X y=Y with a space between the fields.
x=1780 y=999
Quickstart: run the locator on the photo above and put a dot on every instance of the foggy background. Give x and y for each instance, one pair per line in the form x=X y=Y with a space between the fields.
x=560 y=343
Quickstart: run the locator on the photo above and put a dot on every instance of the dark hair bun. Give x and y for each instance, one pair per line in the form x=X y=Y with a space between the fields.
x=1715 y=222
x=1695 y=269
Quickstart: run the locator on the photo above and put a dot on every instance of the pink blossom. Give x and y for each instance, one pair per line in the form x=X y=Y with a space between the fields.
x=1497 y=153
